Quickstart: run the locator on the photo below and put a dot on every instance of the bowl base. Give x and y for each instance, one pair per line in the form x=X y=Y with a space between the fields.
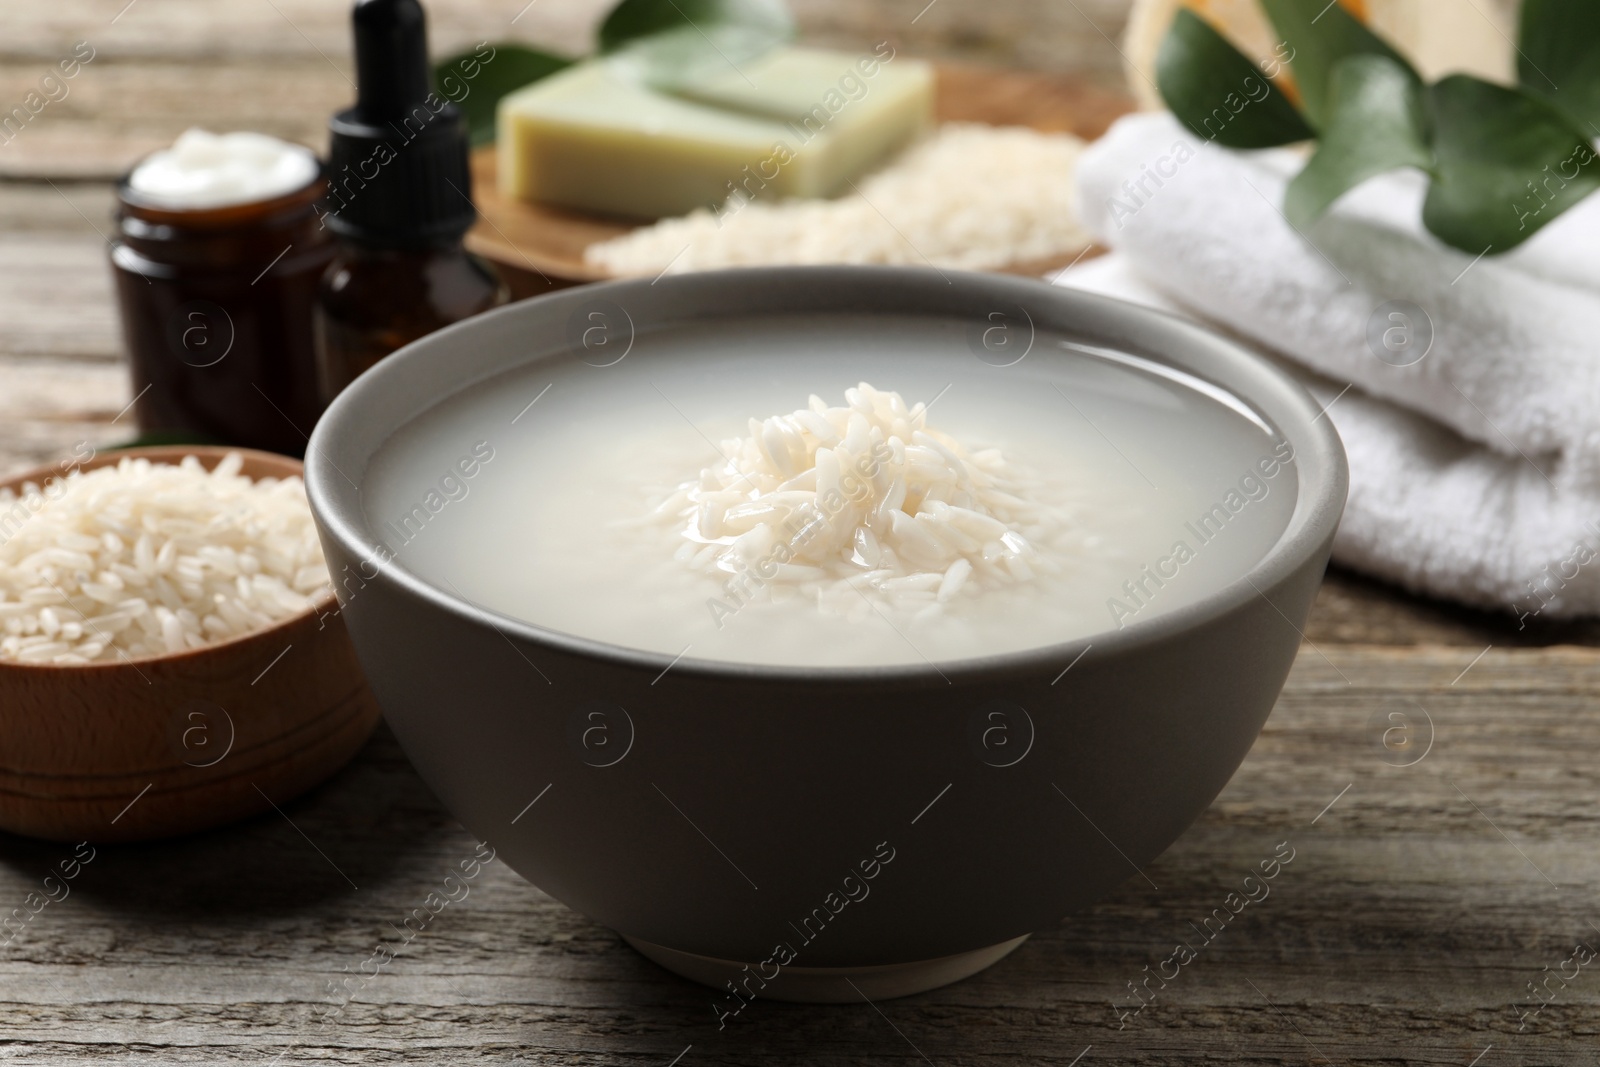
x=832 y=985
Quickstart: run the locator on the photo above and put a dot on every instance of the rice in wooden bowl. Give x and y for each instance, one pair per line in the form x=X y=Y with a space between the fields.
x=171 y=655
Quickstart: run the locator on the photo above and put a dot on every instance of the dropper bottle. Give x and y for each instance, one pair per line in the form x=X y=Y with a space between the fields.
x=399 y=203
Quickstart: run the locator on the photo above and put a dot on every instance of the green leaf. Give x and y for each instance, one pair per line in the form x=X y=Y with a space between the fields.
x=678 y=61
x=1505 y=164
x=477 y=80
x=1318 y=34
x=1214 y=90
x=1375 y=124
x=671 y=45
x=633 y=19
x=1559 y=57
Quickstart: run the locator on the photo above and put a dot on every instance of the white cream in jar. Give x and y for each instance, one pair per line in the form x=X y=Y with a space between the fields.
x=205 y=170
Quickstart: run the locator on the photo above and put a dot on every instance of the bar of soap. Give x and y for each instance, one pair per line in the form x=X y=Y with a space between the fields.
x=793 y=123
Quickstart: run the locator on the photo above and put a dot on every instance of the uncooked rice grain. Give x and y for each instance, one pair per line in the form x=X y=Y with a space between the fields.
x=142 y=559
x=842 y=503
x=971 y=197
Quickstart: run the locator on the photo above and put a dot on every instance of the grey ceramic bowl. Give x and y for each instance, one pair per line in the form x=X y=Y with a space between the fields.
x=821 y=824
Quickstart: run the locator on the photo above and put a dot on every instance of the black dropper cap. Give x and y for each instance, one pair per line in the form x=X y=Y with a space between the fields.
x=397 y=162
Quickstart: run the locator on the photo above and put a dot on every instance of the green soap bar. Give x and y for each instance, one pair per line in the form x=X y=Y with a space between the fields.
x=793 y=123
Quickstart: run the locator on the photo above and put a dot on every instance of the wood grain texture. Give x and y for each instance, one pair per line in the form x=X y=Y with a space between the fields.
x=281 y=66
x=1414 y=914
x=1035 y=34
x=55 y=296
x=48 y=407
x=1415 y=910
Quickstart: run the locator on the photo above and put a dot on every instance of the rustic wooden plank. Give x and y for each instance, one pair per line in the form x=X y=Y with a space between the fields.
x=118 y=112
x=1402 y=933
x=55 y=296
x=78 y=209
x=245 y=29
x=62 y=378
x=1071 y=104
x=159 y=67
x=1354 y=609
x=1036 y=34
x=1416 y=911
x=49 y=406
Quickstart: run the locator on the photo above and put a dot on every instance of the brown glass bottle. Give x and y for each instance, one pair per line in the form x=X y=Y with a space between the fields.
x=399 y=203
x=374 y=300
x=216 y=306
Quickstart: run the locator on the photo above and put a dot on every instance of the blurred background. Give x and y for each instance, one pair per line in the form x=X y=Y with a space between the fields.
x=281 y=67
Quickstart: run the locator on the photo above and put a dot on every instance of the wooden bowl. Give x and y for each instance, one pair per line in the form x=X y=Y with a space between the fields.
x=539 y=248
x=161 y=745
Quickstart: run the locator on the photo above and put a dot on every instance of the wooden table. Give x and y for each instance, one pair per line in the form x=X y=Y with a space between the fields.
x=1421 y=902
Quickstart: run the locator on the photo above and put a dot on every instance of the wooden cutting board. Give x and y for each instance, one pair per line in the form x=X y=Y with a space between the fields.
x=539 y=248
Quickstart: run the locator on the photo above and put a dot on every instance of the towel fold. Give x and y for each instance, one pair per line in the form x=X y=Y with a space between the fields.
x=1475 y=468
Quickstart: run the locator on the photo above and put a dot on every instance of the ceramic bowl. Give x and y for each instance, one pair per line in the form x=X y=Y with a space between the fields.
x=161 y=745
x=822 y=833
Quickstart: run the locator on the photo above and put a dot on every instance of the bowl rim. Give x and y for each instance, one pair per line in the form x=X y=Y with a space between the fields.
x=170 y=455
x=1319 y=459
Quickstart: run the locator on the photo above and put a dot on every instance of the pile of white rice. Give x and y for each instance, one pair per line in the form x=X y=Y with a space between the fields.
x=837 y=504
x=142 y=559
x=971 y=197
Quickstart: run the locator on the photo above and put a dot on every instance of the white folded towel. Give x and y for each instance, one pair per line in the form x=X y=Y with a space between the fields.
x=1475 y=472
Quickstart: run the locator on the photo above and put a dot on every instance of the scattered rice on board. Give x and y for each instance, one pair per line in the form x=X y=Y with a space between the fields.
x=971 y=197
x=142 y=559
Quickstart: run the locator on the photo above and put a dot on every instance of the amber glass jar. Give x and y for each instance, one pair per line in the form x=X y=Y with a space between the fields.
x=216 y=310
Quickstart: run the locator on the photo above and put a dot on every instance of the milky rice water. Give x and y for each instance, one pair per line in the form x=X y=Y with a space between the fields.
x=840 y=502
